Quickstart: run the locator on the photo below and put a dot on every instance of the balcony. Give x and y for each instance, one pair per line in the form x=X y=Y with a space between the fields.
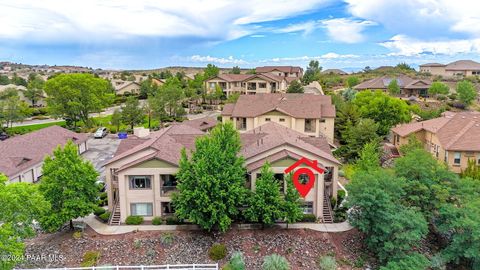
x=167 y=190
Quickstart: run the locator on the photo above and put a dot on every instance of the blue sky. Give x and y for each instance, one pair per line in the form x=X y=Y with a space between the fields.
x=144 y=34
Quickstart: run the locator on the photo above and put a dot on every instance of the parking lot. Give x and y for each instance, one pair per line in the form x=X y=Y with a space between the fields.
x=100 y=151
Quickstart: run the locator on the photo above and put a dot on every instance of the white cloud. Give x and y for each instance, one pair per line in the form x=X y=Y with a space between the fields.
x=305 y=27
x=327 y=56
x=346 y=30
x=404 y=45
x=217 y=60
x=257 y=36
x=54 y=20
x=332 y=55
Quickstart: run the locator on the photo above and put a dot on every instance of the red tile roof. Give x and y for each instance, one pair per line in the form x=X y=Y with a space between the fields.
x=295 y=105
x=25 y=151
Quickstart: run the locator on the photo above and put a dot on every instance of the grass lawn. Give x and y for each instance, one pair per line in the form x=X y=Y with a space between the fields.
x=30 y=128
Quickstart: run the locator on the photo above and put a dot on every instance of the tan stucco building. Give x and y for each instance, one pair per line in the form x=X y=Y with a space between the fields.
x=453 y=138
x=126 y=87
x=312 y=115
x=141 y=176
x=457 y=68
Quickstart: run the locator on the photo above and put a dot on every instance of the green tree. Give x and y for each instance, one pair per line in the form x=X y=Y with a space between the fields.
x=466 y=92
x=148 y=88
x=148 y=110
x=295 y=87
x=291 y=205
x=385 y=110
x=369 y=159
x=414 y=261
x=413 y=144
x=211 y=181
x=356 y=136
x=347 y=115
x=352 y=81
x=393 y=87
x=132 y=113
x=4 y=80
x=75 y=96
x=312 y=73
x=68 y=183
x=235 y=70
x=391 y=229
x=12 y=109
x=34 y=89
x=210 y=71
x=438 y=88
x=349 y=94
x=472 y=170
x=116 y=119
x=168 y=100
x=265 y=204
x=10 y=246
x=18 y=80
x=233 y=97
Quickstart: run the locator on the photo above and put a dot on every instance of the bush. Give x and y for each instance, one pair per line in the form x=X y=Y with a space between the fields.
x=105 y=216
x=340 y=196
x=237 y=261
x=441 y=97
x=217 y=252
x=167 y=238
x=327 y=263
x=309 y=218
x=452 y=96
x=98 y=211
x=134 y=220
x=157 y=221
x=77 y=235
x=275 y=262
x=172 y=220
x=90 y=258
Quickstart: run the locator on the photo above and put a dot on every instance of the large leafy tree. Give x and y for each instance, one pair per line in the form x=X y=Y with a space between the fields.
x=68 y=183
x=295 y=87
x=347 y=115
x=211 y=181
x=75 y=96
x=291 y=205
x=369 y=158
x=466 y=92
x=414 y=261
x=235 y=70
x=168 y=100
x=265 y=204
x=385 y=110
x=34 y=88
x=12 y=109
x=312 y=73
x=438 y=88
x=356 y=136
x=132 y=113
x=393 y=87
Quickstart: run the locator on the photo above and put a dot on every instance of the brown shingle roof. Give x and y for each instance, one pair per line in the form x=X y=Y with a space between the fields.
x=432 y=65
x=456 y=132
x=289 y=69
x=295 y=105
x=463 y=65
x=402 y=80
x=22 y=152
x=204 y=123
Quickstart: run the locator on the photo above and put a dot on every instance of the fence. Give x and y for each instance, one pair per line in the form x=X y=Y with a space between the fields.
x=141 y=267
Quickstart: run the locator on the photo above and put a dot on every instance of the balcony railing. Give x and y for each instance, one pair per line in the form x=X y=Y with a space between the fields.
x=167 y=190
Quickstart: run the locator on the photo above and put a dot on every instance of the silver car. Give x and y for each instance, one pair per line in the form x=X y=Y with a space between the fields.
x=100 y=133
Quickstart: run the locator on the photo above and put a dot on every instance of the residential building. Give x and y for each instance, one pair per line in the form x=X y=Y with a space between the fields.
x=312 y=115
x=21 y=157
x=158 y=82
x=121 y=87
x=408 y=86
x=41 y=102
x=457 y=68
x=266 y=80
x=453 y=138
x=141 y=176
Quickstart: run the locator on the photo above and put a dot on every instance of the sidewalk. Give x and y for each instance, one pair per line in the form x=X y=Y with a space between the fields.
x=104 y=229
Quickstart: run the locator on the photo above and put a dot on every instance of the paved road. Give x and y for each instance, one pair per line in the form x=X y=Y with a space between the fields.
x=100 y=151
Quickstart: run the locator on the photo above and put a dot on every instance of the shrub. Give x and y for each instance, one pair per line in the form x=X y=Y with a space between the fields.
x=134 y=220
x=172 y=220
x=340 y=196
x=275 y=262
x=157 y=221
x=452 y=96
x=137 y=243
x=167 y=238
x=105 y=216
x=237 y=261
x=99 y=210
x=77 y=235
x=327 y=263
x=441 y=97
x=217 y=252
x=90 y=258
x=309 y=218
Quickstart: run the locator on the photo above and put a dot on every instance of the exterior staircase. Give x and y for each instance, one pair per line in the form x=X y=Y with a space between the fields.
x=327 y=210
x=115 y=217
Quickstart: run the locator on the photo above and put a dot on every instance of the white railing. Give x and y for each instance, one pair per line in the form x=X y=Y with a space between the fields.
x=141 y=267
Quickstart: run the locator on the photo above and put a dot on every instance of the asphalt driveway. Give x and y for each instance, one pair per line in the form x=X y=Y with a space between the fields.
x=100 y=151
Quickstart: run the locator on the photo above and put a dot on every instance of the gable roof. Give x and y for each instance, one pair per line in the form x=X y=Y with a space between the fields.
x=383 y=82
x=295 y=105
x=121 y=86
x=463 y=65
x=456 y=132
x=432 y=65
x=288 y=69
x=232 y=77
x=22 y=152
x=203 y=124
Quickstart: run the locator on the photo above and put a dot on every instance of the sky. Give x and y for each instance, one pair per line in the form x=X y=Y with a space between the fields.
x=146 y=34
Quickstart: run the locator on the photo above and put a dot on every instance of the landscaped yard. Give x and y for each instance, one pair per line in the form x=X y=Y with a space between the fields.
x=302 y=248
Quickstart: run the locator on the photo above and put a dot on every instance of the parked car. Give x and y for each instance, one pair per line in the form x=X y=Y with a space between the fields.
x=3 y=136
x=100 y=133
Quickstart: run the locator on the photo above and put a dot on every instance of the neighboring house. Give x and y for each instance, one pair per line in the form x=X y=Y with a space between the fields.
x=334 y=71
x=312 y=115
x=21 y=93
x=453 y=138
x=266 y=80
x=158 y=82
x=130 y=87
x=141 y=176
x=21 y=157
x=408 y=86
x=457 y=68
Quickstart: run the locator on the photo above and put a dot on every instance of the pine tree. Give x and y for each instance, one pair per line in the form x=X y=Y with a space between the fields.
x=291 y=205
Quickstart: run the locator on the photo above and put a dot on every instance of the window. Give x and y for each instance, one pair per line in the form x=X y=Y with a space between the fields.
x=457 y=158
x=169 y=183
x=251 y=86
x=322 y=120
x=307 y=208
x=281 y=119
x=309 y=125
x=140 y=182
x=262 y=85
x=167 y=209
x=242 y=123
x=267 y=119
x=303 y=179
x=279 y=177
x=141 y=209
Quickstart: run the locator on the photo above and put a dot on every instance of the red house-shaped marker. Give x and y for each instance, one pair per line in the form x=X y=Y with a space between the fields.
x=303 y=189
